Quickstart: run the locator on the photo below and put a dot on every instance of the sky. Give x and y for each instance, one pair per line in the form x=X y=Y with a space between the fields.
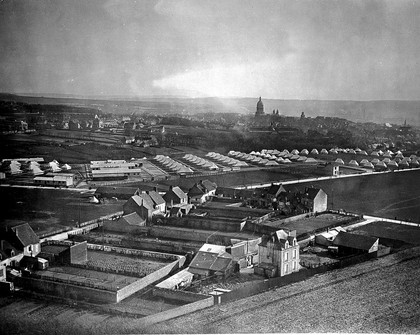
x=291 y=49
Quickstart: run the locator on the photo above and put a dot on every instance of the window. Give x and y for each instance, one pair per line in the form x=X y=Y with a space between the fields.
x=286 y=268
x=286 y=256
x=294 y=253
x=294 y=266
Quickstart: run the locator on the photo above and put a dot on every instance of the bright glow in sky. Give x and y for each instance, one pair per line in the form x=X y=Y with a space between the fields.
x=291 y=49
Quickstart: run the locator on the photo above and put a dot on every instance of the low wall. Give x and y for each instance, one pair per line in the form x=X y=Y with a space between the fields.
x=113 y=226
x=206 y=223
x=66 y=290
x=136 y=252
x=147 y=280
x=189 y=235
x=179 y=311
x=183 y=296
x=105 y=217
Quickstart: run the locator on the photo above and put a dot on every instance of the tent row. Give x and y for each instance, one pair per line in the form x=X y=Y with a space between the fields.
x=385 y=163
x=268 y=159
x=204 y=163
x=173 y=165
x=226 y=160
x=34 y=168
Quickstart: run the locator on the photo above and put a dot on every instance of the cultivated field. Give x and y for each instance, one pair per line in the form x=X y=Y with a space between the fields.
x=306 y=225
x=122 y=263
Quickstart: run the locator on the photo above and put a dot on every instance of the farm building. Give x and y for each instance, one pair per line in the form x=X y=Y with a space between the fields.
x=175 y=196
x=326 y=238
x=278 y=254
x=244 y=252
x=146 y=205
x=212 y=260
x=20 y=239
x=202 y=191
x=64 y=253
x=348 y=243
x=315 y=199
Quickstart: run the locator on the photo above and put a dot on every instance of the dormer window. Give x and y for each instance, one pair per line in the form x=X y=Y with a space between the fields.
x=286 y=244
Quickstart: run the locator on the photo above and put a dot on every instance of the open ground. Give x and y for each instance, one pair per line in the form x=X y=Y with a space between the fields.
x=330 y=302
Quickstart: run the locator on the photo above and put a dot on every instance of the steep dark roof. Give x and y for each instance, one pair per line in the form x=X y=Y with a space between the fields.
x=25 y=235
x=312 y=192
x=354 y=241
x=179 y=193
x=211 y=261
x=210 y=186
x=156 y=197
x=142 y=201
x=275 y=189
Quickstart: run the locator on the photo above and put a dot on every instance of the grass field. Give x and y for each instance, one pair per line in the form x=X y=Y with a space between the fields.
x=116 y=262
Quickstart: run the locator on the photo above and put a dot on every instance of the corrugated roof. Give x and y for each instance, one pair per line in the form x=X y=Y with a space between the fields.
x=354 y=241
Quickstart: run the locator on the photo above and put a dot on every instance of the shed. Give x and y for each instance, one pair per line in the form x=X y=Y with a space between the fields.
x=348 y=243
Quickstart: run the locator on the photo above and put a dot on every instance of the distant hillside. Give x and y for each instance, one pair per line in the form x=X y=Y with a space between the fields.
x=392 y=111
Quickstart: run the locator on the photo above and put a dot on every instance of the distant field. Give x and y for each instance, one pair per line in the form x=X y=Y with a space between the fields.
x=46 y=209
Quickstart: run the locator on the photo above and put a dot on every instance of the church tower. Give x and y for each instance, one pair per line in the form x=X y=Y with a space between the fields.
x=260 y=108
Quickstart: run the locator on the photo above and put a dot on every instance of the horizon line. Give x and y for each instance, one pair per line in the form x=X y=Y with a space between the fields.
x=156 y=96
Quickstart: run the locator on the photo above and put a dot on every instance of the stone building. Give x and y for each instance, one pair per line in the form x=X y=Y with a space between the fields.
x=278 y=254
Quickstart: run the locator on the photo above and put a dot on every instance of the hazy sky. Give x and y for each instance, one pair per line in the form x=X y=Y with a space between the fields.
x=359 y=50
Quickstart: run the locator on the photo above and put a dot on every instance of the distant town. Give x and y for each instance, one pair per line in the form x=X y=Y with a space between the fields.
x=152 y=216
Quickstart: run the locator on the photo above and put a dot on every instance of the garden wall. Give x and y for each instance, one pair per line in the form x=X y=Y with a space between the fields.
x=195 y=235
x=147 y=280
x=206 y=223
x=184 y=296
x=136 y=252
x=66 y=290
x=178 y=311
